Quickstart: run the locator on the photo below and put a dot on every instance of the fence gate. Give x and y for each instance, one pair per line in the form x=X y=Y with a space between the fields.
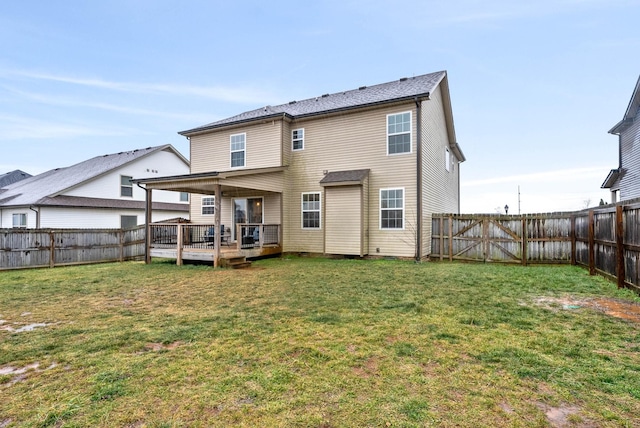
x=481 y=239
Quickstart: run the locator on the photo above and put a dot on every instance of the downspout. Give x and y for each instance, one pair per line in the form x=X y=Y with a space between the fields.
x=37 y=216
x=418 y=179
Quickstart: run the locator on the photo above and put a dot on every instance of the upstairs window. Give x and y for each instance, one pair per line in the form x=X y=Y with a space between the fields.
x=184 y=197
x=126 y=187
x=399 y=133
x=20 y=220
x=297 y=139
x=238 y=150
x=208 y=205
x=447 y=159
x=391 y=208
x=311 y=210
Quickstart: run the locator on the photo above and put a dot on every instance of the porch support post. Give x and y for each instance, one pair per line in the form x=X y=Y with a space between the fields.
x=216 y=221
x=147 y=223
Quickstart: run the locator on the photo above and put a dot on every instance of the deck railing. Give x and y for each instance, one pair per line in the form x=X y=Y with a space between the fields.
x=202 y=236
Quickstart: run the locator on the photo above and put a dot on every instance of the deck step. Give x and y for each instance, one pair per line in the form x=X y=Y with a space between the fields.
x=240 y=265
x=239 y=262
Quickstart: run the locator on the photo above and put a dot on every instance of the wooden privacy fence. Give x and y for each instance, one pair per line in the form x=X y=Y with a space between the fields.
x=31 y=248
x=605 y=240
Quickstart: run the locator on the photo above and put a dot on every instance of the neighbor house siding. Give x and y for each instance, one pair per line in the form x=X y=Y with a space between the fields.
x=440 y=187
x=161 y=163
x=630 y=147
x=211 y=151
x=356 y=140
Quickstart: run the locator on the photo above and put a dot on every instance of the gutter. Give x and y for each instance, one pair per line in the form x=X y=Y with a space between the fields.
x=37 y=216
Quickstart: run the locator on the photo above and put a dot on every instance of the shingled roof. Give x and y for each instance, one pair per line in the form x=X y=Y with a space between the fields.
x=398 y=90
x=42 y=189
x=12 y=177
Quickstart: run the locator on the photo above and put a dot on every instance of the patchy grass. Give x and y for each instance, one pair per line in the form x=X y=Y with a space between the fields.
x=313 y=342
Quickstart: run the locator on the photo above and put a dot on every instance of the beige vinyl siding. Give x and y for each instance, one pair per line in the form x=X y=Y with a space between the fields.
x=440 y=187
x=211 y=151
x=345 y=142
x=343 y=225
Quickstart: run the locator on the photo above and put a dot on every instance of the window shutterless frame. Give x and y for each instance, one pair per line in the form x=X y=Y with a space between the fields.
x=19 y=220
x=311 y=210
x=208 y=205
x=399 y=133
x=126 y=186
x=297 y=139
x=237 y=149
x=392 y=209
x=447 y=159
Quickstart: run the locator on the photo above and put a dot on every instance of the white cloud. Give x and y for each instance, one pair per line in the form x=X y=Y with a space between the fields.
x=543 y=177
x=20 y=128
x=71 y=102
x=249 y=95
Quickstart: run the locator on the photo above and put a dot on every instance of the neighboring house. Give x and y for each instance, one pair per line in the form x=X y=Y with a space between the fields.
x=357 y=173
x=624 y=181
x=12 y=177
x=96 y=193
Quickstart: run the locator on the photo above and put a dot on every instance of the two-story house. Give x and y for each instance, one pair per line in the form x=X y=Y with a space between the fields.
x=624 y=181
x=95 y=193
x=358 y=172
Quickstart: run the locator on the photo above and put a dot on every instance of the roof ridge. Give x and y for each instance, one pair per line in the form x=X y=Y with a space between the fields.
x=381 y=93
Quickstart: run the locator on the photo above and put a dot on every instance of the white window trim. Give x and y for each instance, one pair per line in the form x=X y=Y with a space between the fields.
x=400 y=133
x=244 y=150
x=298 y=139
x=404 y=197
x=213 y=204
x=23 y=215
x=447 y=159
x=319 y=210
x=125 y=185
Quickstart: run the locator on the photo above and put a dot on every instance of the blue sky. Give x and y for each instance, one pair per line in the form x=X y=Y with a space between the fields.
x=535 y=86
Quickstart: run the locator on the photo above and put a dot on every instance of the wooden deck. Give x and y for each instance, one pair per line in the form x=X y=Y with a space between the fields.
x=206 y=254
x=196 y=242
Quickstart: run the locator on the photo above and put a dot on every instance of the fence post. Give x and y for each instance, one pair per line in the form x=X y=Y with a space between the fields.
x=179 y=243
x=121 y=239
x=524 y=241
x=572 y=235
x=620 y=271
x=592 y=244
x=450 y=238
x=441 y=237
x=52 y=250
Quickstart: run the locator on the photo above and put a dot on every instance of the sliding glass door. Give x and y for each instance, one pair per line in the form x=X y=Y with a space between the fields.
x=246 y=210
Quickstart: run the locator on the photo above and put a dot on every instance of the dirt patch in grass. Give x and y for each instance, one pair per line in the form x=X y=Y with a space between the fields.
x=615 y=308
x=564 y=415
x=19 y=374
x=161 y=346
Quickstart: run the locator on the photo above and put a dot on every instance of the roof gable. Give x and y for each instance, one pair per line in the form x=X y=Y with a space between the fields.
x=56 y=181
x=365 y=96
x=631 y=113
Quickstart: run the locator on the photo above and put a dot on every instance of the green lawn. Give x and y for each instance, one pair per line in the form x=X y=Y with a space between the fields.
x=312 y=342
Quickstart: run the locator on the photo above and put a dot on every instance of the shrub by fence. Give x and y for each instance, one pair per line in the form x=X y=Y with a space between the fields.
x=605 y=240
x=30 y=248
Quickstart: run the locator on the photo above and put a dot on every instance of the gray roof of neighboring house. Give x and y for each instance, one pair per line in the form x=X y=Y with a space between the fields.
x=12 y=177
x=43 y=189
x=398 y=90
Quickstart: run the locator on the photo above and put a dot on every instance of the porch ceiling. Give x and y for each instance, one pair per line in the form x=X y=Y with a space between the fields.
x=231 y=182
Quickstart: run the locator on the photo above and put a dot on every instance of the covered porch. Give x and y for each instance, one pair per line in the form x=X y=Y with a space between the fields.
x=234 y=215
